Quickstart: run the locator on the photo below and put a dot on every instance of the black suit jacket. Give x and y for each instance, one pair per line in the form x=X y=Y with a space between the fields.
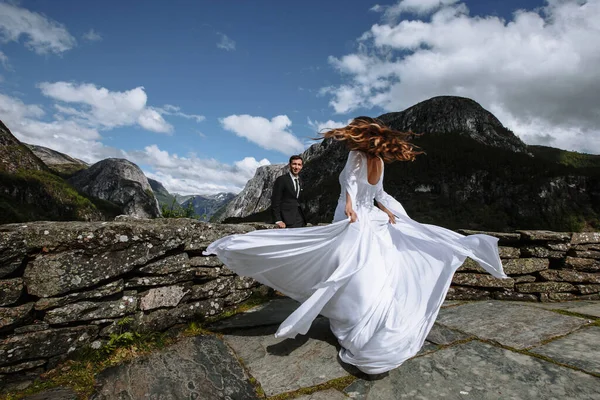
x=284 y=204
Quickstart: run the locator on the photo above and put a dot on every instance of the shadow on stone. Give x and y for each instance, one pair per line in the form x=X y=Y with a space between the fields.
x=286 y=347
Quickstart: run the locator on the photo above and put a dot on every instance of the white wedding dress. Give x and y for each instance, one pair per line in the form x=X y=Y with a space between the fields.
x=380 y=284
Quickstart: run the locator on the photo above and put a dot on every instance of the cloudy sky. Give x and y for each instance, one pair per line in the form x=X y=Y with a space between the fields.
x=199 y=94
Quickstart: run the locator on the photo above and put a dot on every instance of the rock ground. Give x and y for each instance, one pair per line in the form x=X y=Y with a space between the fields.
x=476 y=350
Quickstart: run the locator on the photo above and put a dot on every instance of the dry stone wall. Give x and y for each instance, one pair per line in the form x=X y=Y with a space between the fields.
x=542 y=265
x=67 y=285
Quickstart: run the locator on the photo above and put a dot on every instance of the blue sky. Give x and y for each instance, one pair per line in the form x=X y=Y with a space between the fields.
x=200 y=93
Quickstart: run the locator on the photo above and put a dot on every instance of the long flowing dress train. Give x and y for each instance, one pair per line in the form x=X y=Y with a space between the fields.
x=380 y=284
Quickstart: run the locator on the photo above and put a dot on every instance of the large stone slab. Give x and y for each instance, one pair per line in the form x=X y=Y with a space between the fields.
x=103 y=291
x=218 y=287
x=330 y=394
x=522 y=266
x=168 y=265
x=545 y=235
x=12 y=250
x=444 y=336
x=580 y=349
x=11 y=317
x=544 y=287
x=509 y=252
x=44 y=344
x=59 y=393
x=503 y=237
x=55 y=274
x=10 y=290
x=272 y=313
x=90 y=310
x=168 y=296
x=479 y=371
x=583 y=264
x=541 y=252
x=161 y=319
x=510 y=324
x=467 y=293
x=481 y=280
x=585 y=237
x=201 y=367
x=284 y=365
x=566 y=275
x=591 y=308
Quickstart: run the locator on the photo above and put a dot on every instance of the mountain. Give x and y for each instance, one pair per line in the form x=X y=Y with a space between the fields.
x=182 y=198
x=15 y=156
x=476 y=174
x=206 y=206
x=255 y=198
x=165 y=199
x=30 y=191
x=121 y=182
x=59 y=163
x=455 y=115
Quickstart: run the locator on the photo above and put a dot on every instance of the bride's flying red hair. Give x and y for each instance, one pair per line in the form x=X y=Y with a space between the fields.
x=372 y=136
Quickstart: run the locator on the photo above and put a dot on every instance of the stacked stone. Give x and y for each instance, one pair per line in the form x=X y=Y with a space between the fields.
x=65 y=285
x=542 y=265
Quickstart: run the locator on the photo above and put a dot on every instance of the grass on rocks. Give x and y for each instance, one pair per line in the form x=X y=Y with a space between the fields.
x=339 y=384
x=79 y=372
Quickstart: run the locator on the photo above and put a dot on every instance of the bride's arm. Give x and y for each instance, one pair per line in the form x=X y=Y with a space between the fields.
x=388 y=212
x=389 y=204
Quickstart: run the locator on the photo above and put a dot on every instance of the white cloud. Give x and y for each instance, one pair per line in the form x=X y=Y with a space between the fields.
x=270 y=135
x=24 y=121
x=14 y=108
x=321 y=127
x=250 y=164
x=419 y=7
x=92 y=36
x=169 y=109
x=104 y=108
x=225 y=42
x=151 y=120
x=75 y=136
x=43 y=35
x=193 y=175
x=538 y=70
x=4 y=61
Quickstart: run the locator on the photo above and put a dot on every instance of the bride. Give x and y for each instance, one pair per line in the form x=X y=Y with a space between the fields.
x=379 y=276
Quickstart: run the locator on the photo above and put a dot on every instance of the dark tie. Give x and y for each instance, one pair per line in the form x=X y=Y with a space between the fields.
x=296 y=187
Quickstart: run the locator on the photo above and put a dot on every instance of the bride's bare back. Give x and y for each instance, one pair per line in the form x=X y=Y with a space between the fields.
x=374 y=169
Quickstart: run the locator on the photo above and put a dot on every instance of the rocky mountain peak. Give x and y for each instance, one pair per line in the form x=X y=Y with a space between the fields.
x=455 y=115
x=57 y=161
x=14 y=155
x=119 y=181
x=256 y=195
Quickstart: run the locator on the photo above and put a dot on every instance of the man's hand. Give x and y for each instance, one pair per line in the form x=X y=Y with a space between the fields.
x=280 y=224
x=351 y=213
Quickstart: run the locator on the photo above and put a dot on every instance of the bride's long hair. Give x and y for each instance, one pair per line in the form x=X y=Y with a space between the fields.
x=372 y=136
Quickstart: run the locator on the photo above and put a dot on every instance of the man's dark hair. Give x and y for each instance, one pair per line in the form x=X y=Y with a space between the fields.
x=296 y=157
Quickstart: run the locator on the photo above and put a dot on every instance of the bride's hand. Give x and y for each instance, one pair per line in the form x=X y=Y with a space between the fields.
x=352 y=214
x=392 y=218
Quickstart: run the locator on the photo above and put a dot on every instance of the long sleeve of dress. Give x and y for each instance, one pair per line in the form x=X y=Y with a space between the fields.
x=388 y=201
x=351 y=174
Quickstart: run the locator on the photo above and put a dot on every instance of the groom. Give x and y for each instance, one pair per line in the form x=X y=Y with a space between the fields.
x=287 y=195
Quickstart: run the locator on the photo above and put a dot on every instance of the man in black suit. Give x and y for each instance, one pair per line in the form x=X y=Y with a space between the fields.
x=287 y=196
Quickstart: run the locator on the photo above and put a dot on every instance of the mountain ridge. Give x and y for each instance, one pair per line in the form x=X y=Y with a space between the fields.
x=476 y=174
